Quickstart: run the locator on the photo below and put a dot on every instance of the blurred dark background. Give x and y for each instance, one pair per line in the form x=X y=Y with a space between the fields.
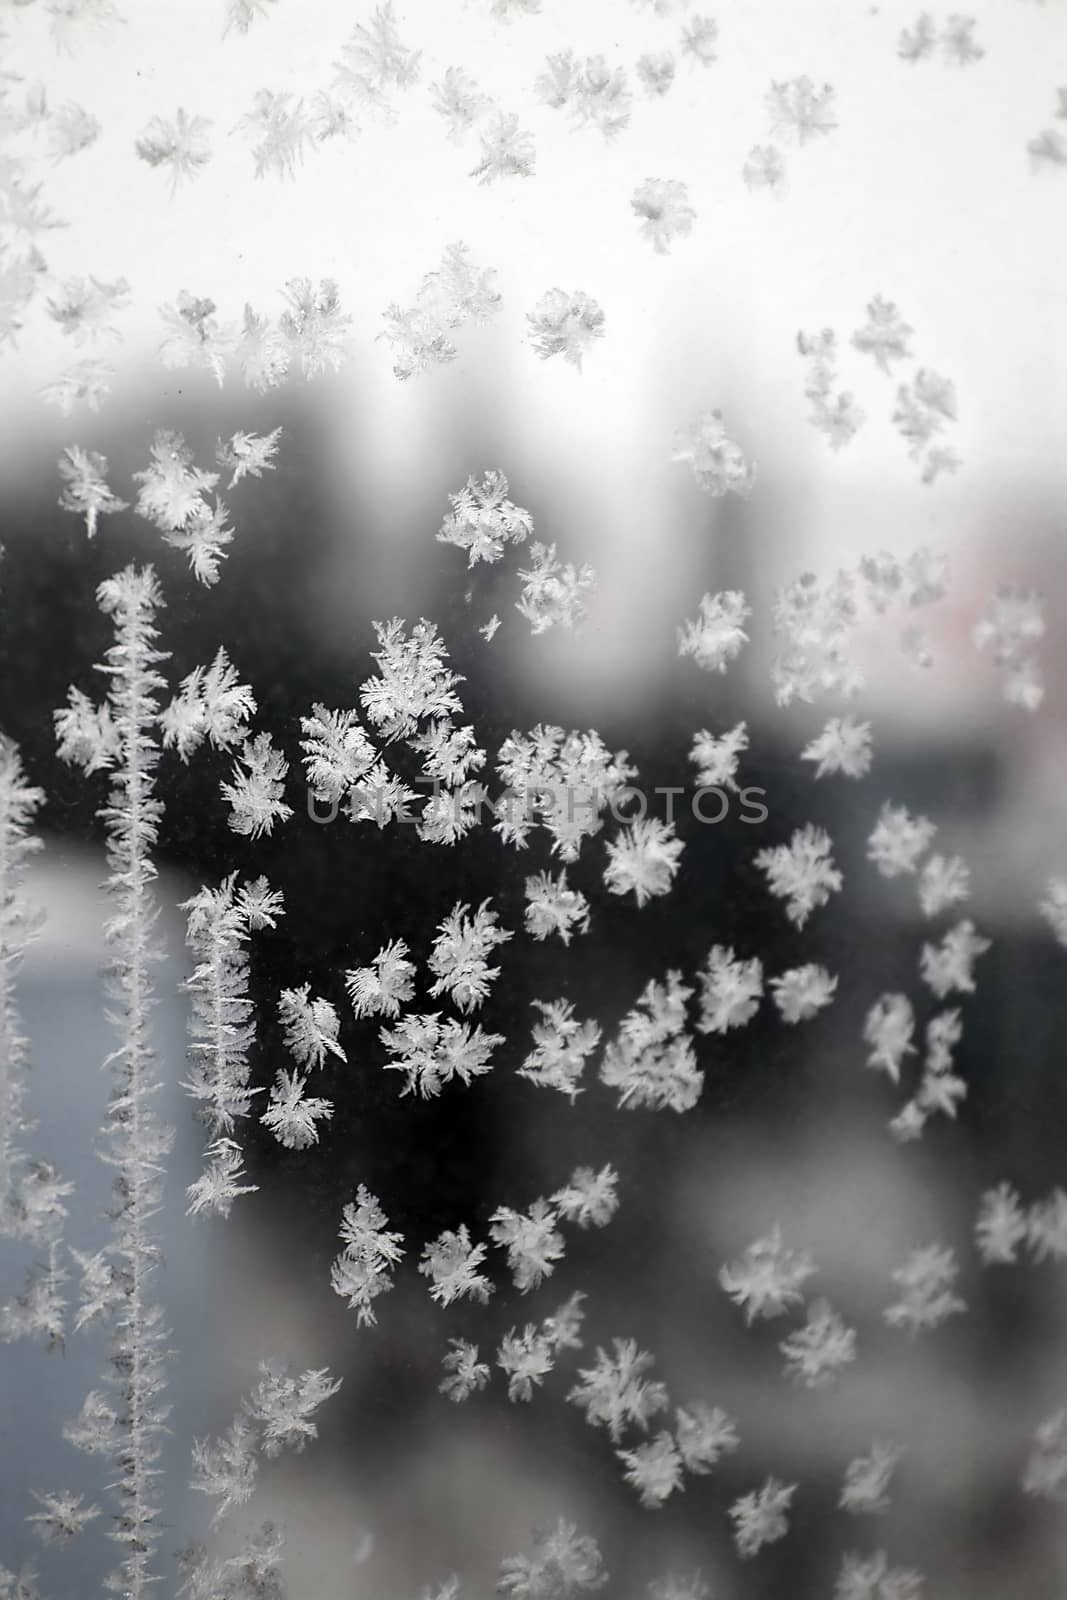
x=791 y=1126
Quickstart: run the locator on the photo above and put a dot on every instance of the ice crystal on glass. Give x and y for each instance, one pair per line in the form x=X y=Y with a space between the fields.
x=483 y=521
x=643 y=859
x=802 y=872
x=801 y=109
x=761 y=1517
x=926 y=1285
x=182 y=144
x=717 y=635
x=651 y=1061
x=768 y=1278
x=817 y=1352
x=718 y=464
x=562 y=1045
x=865 y=1490
x=662 y=206
x=361 y=1272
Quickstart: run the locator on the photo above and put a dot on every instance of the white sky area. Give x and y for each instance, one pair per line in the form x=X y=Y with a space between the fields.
x=924 y=193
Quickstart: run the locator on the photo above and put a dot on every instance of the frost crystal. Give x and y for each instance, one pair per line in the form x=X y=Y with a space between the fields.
x=950 y=965
x=717 y=636
x=1047 y=149
x=718 y=464
x=1054 y=908
x=899 y=840
x=172 y=488
x=566 y=325
x=656 y=72
x=768 y=1278
x=760 y=1517
x=458 y=99
x=361 y=1271
x=872 y=1578
x=455 y=293
x=279 y=129
x=338 y=755
x=916 y=44
x=72 y=129
x=532 y=1241
x=310 y=1026
x=700 y=35
x=843 y=746
x=452 y=1262
x=553 y=594
x=86 y=492
x=85 y=311
x=293 y=1116
x=800 y=110
x=63 y=1518
x=314 y=325
x=889 y=1029
x=615 y=1393
x=88 y=380
x=816 y=1353
x=1045 y=1475
x=957 y=41
x=923 y=409
x=483 y=521
x=802 y=992
x=565 y=1564
x=552 y=907
x=716 y=756
x=764 y=168
x=248 y=454
x=834 y=414
x=730 y=990
x=1012 y=624
x=594 y=94
x=651 y=1061
x=220 y=922
x=457 y=959
x=507 y=150
x=813 y=620
x=564 y=781
x=943 y=882
x=674 y=1587
x=281 y=1407
x=464 y=1373
x=432 y=1052
x=1002 y=1226
x=413 y=682
x=375 y=62
x=241 y=14
x=865 y=1490
x=643 y=859
x=654 y=1469
x=926 y=1283
x=704 y=1434
x=527 y=1359
x=183 y=145
x=885 y=335
x=588 y=1198
x=1047 y=1239
x=801 y=872
x=255 y=793
x=663 y=206
x=562 y=1045
x=384 y=987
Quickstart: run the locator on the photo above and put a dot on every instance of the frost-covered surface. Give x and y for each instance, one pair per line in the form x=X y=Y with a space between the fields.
x=525 y=1013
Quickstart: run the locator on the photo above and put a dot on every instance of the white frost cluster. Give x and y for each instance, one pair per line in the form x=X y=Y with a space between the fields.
x=718 y=464
x=651 y=1061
